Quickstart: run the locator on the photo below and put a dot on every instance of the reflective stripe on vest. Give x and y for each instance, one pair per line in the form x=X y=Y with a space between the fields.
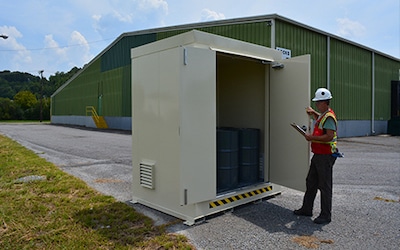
x=319 y=147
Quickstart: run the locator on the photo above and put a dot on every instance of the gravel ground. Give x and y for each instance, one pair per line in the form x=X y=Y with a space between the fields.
x=366 y=199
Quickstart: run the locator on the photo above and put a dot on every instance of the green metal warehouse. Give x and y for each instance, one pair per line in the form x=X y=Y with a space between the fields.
x=359 y=77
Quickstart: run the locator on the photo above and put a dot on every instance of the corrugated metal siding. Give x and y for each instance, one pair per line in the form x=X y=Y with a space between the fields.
x=126 y=91
x=302 y=41
x=119 y=55
x=113 y=85
x=81 y=92
x=116 y=75
x=112 y=92
x=351 y=81
x=386 y=70
x=109 y=76
x=350 y=73
x=116 y=99
x=257 y=33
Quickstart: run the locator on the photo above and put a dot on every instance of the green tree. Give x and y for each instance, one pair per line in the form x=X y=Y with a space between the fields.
x=25 y=99
x=27 y=90
x=60 y=78
x=34 y=112
x=9 y=110
x=6 y=91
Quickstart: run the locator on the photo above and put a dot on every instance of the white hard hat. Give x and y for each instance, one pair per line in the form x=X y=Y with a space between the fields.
x=322 y=94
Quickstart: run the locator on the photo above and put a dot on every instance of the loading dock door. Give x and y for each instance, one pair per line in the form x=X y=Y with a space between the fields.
x=289 y=94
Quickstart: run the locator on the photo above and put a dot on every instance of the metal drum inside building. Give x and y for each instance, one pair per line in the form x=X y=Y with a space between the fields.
x=227 y=158
x=249 y=141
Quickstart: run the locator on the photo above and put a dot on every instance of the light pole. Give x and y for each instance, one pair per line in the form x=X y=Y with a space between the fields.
x=41 y=94
x=3 y=36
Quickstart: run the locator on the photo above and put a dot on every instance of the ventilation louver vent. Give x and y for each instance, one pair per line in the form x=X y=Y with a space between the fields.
x=147 y=175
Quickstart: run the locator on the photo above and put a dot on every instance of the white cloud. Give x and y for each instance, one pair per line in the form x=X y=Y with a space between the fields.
x=83 y=48
x=350 y=29
x=105 y=24
x=209 y=15
x=53 y=56
x=153 y=4
x=10 y=31
x=22 y=55
x=122 y=17
x=13 y=34
x=97 y=23
x=96 y=17
x=50 y=43
x=78 y=38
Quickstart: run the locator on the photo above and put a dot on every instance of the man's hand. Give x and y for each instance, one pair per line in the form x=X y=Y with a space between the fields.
x=310 y=111
x=308 y=137
x=322 y=138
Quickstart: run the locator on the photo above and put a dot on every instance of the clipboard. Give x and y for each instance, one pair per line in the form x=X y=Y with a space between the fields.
x=298 y=128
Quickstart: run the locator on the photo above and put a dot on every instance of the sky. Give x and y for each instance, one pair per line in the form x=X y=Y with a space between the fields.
x=55 y=36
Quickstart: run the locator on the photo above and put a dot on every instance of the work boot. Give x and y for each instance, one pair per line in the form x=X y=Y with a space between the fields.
x=302 y=212
x=322 y=220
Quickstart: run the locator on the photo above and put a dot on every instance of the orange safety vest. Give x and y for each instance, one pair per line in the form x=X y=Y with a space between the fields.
x=324 y=148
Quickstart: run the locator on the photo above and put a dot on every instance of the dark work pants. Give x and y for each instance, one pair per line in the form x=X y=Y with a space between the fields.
x=320 y=177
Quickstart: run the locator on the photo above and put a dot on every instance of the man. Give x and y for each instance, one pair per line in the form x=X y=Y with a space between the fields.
x=323 y=145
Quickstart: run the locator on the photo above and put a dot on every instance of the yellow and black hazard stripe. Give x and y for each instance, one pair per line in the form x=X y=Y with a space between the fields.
x=221 y=202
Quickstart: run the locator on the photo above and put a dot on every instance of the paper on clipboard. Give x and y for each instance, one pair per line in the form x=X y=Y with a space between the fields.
x=298 y=128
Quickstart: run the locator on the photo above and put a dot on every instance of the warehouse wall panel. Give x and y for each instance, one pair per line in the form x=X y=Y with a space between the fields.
x=105 y=82
x=108 y=91
x=351 y=81
x=386 y=70
x=116 y=92
x=303 y=41
x=79 y=93
x=119 y=54
x=257 y=33
x=112 y=92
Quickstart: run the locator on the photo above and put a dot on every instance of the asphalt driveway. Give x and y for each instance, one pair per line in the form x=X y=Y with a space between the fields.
x=366 y=207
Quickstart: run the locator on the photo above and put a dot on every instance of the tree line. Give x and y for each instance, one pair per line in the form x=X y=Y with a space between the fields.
x=24 y=96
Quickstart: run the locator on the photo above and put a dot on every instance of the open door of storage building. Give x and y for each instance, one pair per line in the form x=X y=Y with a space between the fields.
x=289 y=95
x=186 y=87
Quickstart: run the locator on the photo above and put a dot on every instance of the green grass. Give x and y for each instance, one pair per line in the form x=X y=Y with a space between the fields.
x=62 y=212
